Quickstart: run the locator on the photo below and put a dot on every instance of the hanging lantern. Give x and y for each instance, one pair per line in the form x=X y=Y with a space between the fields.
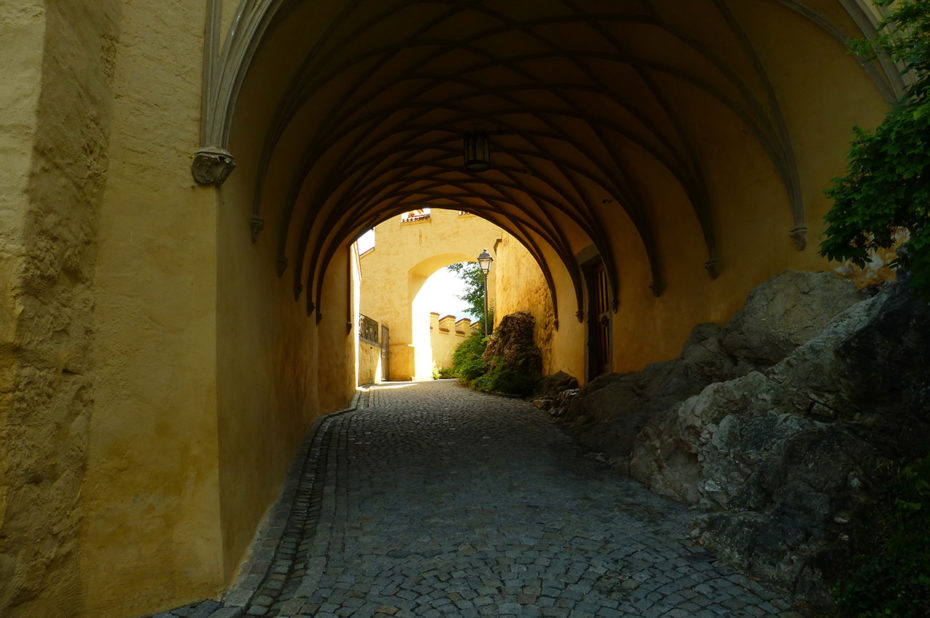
x=477 y=152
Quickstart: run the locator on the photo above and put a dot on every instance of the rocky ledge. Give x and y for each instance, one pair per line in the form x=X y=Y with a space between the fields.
x=772 y=423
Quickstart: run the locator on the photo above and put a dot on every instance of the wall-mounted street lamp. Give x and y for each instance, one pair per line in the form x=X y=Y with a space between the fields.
x=484 y=261
x=477 y=151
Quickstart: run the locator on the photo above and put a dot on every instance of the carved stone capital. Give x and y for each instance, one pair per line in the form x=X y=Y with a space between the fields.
x=799 y=237
x=212 y=165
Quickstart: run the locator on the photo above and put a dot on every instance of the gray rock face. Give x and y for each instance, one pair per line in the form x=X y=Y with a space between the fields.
x=607 y=414
x=784 y=312
x=777 y=451
x=552 y=385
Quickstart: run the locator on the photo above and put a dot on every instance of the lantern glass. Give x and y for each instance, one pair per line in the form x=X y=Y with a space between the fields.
x=477 y=152
x=484 y=261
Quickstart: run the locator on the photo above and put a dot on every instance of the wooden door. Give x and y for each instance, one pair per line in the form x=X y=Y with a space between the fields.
x=599 y=354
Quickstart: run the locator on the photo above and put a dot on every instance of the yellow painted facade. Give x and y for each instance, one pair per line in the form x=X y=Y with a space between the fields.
x=165 y=342
x=445 y=335
x=405 y=255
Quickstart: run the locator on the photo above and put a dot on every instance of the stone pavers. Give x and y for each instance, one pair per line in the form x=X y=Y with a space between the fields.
x=433 y=500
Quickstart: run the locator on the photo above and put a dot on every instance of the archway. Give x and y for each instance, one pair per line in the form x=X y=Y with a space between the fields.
x=176 y=342
x=685 y=145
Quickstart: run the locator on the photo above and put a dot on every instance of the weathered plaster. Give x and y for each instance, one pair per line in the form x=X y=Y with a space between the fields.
x=151 y=533
x=60 y=120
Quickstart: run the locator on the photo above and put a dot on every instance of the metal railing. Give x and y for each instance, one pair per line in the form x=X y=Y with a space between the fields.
x=368 y=329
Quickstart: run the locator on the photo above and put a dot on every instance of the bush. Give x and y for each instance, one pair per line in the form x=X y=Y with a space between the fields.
x=503 y=379
x=467 y=364
x=891 y=575
x=887 y=183
x=442 y=372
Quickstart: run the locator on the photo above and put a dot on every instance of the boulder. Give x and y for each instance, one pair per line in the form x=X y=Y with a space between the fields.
x=783 y=313
x=770 y=423
x=551 y=386
x=778 y=316
x=780 y=458
x=551 y=390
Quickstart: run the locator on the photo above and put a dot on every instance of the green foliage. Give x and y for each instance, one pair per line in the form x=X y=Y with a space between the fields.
x=503 y=379
x=473 y=278
x=467 y=364
x=891 y=576
x=887 y=181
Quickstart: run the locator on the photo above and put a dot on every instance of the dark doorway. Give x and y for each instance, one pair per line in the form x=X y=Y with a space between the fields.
x=598 y=332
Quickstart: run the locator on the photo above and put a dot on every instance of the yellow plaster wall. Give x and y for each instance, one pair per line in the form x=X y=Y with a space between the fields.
x=522 y=287
x=151 y=535
x=55 y=95
x=369 y=363
x=445 y=336
x=22 y=28
x=751 y=213
x=278 y=369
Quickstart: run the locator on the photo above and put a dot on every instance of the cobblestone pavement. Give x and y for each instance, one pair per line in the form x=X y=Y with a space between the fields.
x=433 y=500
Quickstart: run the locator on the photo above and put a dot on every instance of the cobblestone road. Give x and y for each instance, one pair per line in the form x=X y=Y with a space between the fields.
x=433 y=500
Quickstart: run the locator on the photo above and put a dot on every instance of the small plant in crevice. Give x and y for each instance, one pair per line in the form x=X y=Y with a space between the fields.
x=890 y=574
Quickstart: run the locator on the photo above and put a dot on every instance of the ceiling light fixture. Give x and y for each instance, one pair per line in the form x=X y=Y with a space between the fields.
x=477 y=151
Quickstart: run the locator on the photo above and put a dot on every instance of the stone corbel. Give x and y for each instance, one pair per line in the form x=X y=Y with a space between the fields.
x=712 y=268
x=799 y=237
x=212 y=165
x=256 y=224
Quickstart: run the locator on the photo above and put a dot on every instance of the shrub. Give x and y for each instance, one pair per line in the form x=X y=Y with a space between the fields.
x=887 y=183
x=467 y=364
x=503 y=379
x=891 y=575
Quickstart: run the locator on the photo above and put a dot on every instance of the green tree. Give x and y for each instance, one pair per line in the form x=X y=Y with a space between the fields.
x=887 y=181
x=471 y=275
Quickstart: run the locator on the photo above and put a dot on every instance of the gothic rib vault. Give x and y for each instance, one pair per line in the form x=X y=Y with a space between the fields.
x=588 y=105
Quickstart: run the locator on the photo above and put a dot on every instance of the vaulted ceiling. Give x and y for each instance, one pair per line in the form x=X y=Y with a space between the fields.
x=364 y=104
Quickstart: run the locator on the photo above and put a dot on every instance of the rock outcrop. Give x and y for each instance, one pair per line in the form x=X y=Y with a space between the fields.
x=771 y=422
x=608 y=413
x=514 y=361
x=512 y=345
